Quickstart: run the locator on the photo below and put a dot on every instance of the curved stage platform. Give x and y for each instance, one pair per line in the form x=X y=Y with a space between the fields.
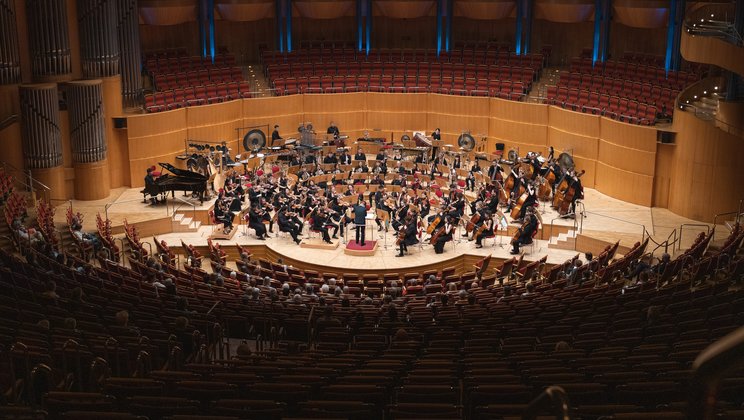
x=606 y=221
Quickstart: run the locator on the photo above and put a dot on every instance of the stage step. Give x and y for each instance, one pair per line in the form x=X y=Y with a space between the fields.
x=317 y=243
x=182 y=223
x=563 y=241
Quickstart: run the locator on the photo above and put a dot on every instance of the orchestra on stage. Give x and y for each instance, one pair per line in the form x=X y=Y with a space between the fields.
x=421 y=189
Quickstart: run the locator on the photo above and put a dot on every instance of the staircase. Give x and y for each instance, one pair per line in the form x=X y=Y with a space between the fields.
x=183 y=223
x=539 y=89
x=707 y=106
x=565 y=241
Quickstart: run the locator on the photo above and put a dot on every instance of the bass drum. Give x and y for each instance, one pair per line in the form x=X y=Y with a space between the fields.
x=466 y=142
x=404 y=138
x=254 y=140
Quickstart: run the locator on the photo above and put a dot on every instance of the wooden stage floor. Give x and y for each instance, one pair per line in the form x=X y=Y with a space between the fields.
x=606 y=220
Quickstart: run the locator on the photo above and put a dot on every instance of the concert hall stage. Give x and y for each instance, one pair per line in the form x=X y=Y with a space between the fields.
x=606 y=220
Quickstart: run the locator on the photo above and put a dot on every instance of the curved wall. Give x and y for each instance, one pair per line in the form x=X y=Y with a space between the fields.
x=620 y=159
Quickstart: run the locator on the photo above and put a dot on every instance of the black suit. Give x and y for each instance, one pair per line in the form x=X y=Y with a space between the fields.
x=360 y=220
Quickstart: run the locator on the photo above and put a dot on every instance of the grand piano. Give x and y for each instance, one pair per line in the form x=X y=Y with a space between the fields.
x=181 y=180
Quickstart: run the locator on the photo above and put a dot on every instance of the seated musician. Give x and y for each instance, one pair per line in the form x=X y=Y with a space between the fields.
x=446 y=236
x=360 y=155
x=319 y=224
x=531 y=192
x=485 y=229
x=525 y=232
x=495 y=172
x=333 y=130
x=223 y=214
x=381 y=155
x=470 y=181
x=255 y=222
x=410 y=230
x=457 y=162
x=345 y=158
x=330 y=158
x=362 y=167
x=519 y=180
x=275 y=135
x=380 y=197
x=286 y=224
x=149 y=183
x=310 y=159
x=458 y=207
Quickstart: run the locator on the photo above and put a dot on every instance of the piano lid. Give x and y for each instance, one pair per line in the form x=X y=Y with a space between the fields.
x=183 y=172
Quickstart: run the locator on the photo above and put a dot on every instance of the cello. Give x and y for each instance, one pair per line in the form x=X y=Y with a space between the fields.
x=520 y=202
x=474 y=219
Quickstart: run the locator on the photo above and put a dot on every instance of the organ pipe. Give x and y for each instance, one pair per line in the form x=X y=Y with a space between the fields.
x=87 y=123
x=129 y=45
x=48 y=37
x=99 y=45
x=10 y=67
x=42 y=138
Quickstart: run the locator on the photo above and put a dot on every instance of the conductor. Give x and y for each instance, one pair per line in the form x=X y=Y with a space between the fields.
x=360 y=220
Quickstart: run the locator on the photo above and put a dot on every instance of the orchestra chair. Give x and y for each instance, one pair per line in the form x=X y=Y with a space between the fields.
x=213 y=220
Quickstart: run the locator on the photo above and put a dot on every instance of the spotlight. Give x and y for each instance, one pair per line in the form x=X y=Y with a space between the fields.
x=715 y=88
x=695 y=97
x=705 y=92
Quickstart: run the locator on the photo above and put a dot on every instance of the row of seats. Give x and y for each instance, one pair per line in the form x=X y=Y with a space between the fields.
x=656 y=75
x=166 y=63
x=196 y=95
x=505 y=89
x=662 y=97
x=615 y=107
x=166 y=81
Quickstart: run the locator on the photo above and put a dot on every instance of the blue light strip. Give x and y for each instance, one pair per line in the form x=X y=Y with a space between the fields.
x=360 y=25
x=527 y=26
x=597 y=30
x=518 y=34
x=439 y=26
x=210 y=16
x=369 y=25
x=288 y=17
x=671 y=29
x=448 y=36
x=279 y=25
x=607 y=14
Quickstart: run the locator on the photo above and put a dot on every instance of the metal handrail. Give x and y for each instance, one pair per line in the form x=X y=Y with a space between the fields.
x=175 y=209
x=683 y=225
x=31 y=181
x=738 y=214
x=643 y=234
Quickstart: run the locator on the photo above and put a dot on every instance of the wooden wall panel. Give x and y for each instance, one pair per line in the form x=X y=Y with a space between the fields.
x=519 y=125
x=216 y=123
x=624 y=185
x=626 y=159
x=347 y=110
x=628 y=135
x=588 y=165
x=663 y=174
x=706 y=171
x=154 y=138
x=578 y=144
x=10 y=139
x=455 y=115
x=112 y=106
x=573 y=122
x=397 y=112
x=286 y=111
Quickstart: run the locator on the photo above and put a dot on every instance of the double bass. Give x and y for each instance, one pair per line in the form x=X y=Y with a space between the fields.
x=518 y=206
x=564 y=194
x=437 y=234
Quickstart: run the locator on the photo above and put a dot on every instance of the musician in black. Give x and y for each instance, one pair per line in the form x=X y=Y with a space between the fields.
x=525 y=232
x=333 y=130
x=149 y=183
x=530 y=201
x=410 y=231
x=575 y=183
x=519 y=180
x=360 y=219
x=381 y=155
x=319 y=224
x=286 y=224
x=436 y=136
x=495 y=172
x=223 y=214
x=345 y=158
x=330 y=158
x=458 y=207
x=255 y=222
x=446 y=236
x=275 y=135
x=487 y=223
x=360 y=155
